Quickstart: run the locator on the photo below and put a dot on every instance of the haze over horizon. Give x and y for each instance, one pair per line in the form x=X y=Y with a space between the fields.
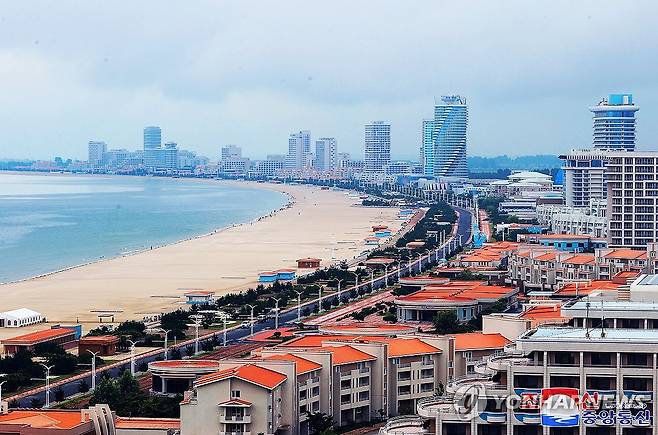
x=250 y=73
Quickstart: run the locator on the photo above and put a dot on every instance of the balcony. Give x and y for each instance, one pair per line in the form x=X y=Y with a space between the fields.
x=244 y=419
x=235 y=433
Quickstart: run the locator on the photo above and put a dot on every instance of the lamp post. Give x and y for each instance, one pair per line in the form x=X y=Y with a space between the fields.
x=1 y=383
x=252 y=318
x=372 y=279
x=132 y=357
x=299 y=306
x=276 y=313
x=47 y=404
x=166 y=341
x=196 y=325
x=319 y=299
x=386 y=275
x=340 y=292
x=93 y=369
x=224 y=320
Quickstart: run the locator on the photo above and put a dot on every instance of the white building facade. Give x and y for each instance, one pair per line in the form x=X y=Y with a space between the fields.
x=377 y=147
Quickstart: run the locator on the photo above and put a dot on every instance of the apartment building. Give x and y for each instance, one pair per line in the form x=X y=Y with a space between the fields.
x=548 y=268
x=615 y=363
x=632 y=189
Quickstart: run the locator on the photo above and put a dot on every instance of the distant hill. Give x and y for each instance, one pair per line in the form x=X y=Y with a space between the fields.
x=493 y=164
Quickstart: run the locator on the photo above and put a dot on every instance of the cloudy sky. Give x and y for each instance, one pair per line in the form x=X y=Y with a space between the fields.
x=250 y=72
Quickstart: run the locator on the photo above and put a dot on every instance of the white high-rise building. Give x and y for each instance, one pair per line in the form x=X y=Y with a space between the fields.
x=231 y=152
x=377 y=147
x=614 y=122
x=152 y=146
x=449 y=137
x=427 y=147
x=96 y=151
x=299 y=146
x=632 y=187
x=326 y=153
x=584 y=177
x=169 y=156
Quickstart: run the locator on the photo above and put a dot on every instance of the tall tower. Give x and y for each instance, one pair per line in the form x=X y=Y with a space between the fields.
x=96 y=151
x=427 y=147
x=614 y=122
x=326 y=153
x=449 y=137
x=152 y=147
x=377 y=147
x=299 y=146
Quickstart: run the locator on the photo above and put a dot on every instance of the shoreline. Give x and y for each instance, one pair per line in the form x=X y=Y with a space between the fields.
x=320 y=223
x=290 y=203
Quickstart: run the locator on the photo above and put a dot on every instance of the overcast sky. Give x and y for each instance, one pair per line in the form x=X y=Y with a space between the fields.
x=251 y=72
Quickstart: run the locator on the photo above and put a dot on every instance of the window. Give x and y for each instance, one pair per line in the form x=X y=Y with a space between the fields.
x=235 y=394
x=468 y=356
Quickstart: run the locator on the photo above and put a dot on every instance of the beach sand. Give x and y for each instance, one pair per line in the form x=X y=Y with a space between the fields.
x=319 y=223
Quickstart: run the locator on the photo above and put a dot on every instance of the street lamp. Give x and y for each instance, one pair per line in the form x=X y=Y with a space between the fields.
x=340 y=293
x=132 y=357
x=372 y=279
x=1 y=383
x=252 y=318
x=224 y=320
x=47 y=405
x=93 y=369
x=299 y=306
x=386 y=275
x=196 y=325
x=320 y=299
x=166 y=337
x=276 y=313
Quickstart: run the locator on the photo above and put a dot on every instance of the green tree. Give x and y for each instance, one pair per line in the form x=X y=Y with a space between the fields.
x=319 y=423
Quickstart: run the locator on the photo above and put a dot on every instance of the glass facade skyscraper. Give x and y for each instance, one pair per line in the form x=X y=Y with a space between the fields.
x=614 y=122
x=445 y=150
x=427 y=147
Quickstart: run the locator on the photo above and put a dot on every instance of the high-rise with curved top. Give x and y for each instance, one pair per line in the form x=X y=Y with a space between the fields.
x=448 y=150
x=614 y=122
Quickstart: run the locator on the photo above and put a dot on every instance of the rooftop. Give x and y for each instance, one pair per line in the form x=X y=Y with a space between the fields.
x=548 y=334
x=479 y=340
x=458 y=291
x=302 y=365
x=39 y=336
x=99 y=339
x=543 y=312
x=249 y=372
x=147 y=423
x=43 y=418
x=348 y=355
x=399 y=347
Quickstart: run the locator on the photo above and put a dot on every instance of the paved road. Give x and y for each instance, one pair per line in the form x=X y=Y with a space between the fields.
x=238 y=335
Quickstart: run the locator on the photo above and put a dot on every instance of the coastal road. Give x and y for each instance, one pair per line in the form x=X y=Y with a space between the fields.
x=236 y=335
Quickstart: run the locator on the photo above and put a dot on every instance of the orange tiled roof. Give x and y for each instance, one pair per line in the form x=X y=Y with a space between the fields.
x=39 y=336
x=99 y=339
x=147 y=423
x=43 y=418
x=235 y=402
x=550 y=256
x=585 y=288
x=543 y=312
x=458 y=291
x=479 y=340
x=348 y=355
x=399 y=347
x=316 y=340
x=626 y=254
x=200 y=293
x=302 y=365
x=580 y=259
x=249 y=372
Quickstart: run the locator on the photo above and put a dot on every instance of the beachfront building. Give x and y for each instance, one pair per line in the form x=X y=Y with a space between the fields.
x=614 y=122
x=377 y=147
x=632 y=198
x=200 y=297
x=63 y=337
x=448 y=138
x=19 y=317
x=299 y=147
x=170 y=378
x=326 y=154
x=584 y=177
x=563 y=219
x=103 y=345
x=465 y=298
x=308 y=263
x=231 y=152
x=603 y=364
x=96 y=151
x=277 y=275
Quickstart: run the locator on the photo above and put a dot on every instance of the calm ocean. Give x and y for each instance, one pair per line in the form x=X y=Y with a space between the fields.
x=49 y=222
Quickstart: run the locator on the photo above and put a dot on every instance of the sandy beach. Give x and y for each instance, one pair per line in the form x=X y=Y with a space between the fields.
x=319 y=223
